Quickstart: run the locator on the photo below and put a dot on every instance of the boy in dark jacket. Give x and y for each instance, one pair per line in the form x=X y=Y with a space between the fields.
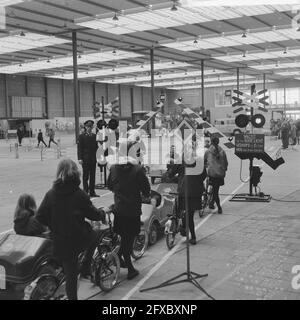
x=127 y=180
x=41 y=138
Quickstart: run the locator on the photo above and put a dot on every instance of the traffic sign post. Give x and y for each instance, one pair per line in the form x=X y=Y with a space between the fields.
x=250 y=146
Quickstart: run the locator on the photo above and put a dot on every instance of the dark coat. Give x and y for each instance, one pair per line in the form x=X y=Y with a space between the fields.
x=193 y=184
x=64 y=209
x=87 y=148
x=127 y=182
x=27 y=225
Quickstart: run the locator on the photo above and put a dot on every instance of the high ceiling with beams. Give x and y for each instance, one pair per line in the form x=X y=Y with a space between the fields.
x=115 y=37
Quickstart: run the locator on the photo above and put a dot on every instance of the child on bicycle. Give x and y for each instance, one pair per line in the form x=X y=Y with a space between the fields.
x=25 y=222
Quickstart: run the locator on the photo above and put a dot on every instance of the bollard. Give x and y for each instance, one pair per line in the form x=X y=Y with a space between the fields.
x=58 y=149
x=16 y=150
x=42 y=149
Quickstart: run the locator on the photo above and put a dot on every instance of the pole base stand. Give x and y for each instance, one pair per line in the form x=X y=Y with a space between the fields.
x=190 y=277
x=245 y=197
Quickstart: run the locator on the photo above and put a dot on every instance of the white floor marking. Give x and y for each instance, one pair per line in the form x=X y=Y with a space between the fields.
x=7 y=231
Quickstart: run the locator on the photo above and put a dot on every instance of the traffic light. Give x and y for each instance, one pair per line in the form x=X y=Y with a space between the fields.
x=258 y=121
x=242 y=120
x=96 y=110
x=255 y=176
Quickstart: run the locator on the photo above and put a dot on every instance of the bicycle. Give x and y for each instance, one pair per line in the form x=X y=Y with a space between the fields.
x=206 y=197
x=105 y=269
x=174 y=224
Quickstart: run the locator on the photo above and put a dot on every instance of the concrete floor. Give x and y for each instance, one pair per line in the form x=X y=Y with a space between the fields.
x=248 y=252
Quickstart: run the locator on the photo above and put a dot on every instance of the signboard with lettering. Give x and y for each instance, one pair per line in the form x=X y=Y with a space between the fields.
x=249 y=143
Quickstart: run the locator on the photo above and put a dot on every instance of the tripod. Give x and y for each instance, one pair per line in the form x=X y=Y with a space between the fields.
x=187 y=276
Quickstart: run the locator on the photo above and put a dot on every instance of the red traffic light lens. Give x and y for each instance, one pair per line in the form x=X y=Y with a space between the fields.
x=242 y=120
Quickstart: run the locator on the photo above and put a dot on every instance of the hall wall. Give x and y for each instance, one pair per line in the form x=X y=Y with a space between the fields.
x=58 y=95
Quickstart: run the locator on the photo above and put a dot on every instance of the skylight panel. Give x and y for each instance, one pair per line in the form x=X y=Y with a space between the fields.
x=123 y=70
x=59 y=62
x=14 y=43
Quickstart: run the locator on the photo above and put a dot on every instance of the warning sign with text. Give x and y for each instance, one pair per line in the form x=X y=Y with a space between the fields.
x=249 y=143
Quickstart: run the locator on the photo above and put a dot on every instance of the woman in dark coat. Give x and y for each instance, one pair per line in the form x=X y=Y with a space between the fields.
x=64 y=209
x=217 y=164
x=127 y=180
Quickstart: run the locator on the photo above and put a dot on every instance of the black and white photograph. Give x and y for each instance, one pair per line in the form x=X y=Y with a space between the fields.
x=149 y=153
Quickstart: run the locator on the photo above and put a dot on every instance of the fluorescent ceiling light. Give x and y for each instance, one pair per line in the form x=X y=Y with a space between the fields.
x=172 y=75
x=160 y=16
x=288 y=73
x=123 y=70
x=191 y=81
x=281 y=65
x=260 y=56
x=235 y=3
x=233 y=40
x=65 y=61
x=14 y=43
x=220 y=84
x=4 y=3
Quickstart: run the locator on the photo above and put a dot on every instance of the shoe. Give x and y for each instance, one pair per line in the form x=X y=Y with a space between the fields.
x=94 y=195
x=220 y=211
x=193 y=241
x=211 y=206
x=182 y=232
x=132 y=274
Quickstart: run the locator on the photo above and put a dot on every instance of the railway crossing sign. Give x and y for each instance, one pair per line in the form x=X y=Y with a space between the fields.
x=254 y=101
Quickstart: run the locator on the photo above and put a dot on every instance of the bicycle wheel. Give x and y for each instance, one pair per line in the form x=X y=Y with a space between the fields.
x=171 y=235
x=43 y=288
x=108 y=271
x=140 y=245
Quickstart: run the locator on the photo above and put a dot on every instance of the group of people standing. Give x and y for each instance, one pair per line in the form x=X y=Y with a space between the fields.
x=287 y=130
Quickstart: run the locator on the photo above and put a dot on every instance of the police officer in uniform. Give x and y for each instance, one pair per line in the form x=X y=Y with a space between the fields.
x=87 y=148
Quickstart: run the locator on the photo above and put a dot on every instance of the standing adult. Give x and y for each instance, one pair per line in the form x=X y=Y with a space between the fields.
x=127 y=180
x=51 y=134
x=64 y=209
x=293 y=133
x=216 y=161
x=20 y=135
x=86 y=151
x=285 y=134
x=190 y=187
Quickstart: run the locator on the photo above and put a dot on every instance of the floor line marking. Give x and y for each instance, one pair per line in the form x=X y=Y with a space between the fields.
x=7 y=231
